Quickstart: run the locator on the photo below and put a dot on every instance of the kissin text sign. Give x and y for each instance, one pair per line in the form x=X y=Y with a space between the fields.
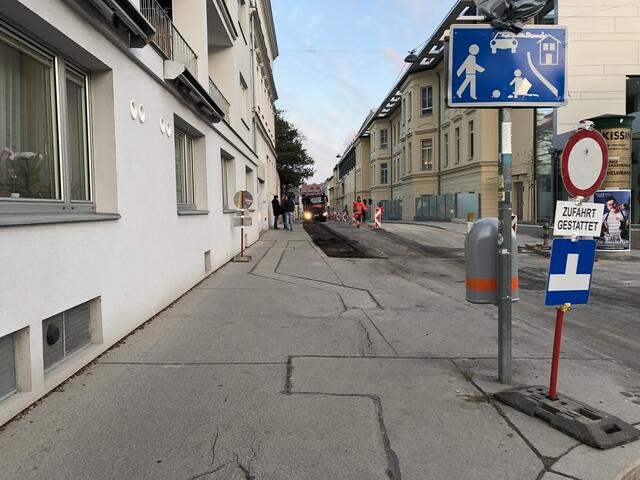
x=619 y=146
x=584 y=220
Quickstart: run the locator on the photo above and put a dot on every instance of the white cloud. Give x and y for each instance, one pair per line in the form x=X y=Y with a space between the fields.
x=313 y=21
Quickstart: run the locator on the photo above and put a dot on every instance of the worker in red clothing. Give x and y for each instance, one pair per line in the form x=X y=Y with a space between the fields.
x=358 y=211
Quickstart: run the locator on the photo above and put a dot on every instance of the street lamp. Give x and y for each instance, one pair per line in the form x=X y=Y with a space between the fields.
x=412 y=57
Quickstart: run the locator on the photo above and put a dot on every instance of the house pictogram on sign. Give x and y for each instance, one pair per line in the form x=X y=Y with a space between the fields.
x=549 y=46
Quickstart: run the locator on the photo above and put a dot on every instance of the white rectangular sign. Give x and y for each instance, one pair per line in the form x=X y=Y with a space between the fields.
x=583 y=220
x=238 y=222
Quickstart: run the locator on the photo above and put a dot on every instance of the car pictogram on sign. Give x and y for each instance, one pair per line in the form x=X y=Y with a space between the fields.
x=503 y=41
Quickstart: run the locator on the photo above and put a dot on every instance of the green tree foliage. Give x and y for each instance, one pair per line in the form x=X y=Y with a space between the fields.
x=294 y=164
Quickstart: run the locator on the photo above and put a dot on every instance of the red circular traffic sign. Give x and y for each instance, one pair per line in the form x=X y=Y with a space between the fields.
x=584 y=163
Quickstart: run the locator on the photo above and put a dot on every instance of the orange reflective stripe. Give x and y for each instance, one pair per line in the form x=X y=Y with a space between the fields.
x=482 y=284
x=488 y=284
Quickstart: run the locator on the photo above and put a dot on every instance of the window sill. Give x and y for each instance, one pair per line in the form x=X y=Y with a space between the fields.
x=10 y=220
x=228 y=210
x=192 y=211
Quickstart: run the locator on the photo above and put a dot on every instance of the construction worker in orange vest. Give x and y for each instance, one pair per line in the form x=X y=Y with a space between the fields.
x=358 y=210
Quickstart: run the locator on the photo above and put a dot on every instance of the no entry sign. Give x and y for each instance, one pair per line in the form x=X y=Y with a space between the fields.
x=584 y=163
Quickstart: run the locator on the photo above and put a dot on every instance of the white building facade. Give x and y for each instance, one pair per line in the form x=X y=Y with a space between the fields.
x=126 y=128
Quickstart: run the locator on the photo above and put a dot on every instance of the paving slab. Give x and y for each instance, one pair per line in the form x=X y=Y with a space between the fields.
x=241 y=338
x=587 y=463
x=307 y=263
x=301 y=303
x=136 y=422
x=437 y=425
x=605 y=385
x=462 y=330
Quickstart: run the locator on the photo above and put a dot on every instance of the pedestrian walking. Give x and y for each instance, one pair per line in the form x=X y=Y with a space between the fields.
x=289 y=208
x=277 y=211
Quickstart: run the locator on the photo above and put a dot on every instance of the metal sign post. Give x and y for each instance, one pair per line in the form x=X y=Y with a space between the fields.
x=569 y=283
x=504 y=247
x=499 y=68
x=243 y=201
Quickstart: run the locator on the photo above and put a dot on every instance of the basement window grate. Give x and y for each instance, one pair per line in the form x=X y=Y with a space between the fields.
x=65 y=333
x=7 y=366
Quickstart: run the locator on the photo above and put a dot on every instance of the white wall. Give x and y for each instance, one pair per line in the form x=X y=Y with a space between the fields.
x=140 y=263
x=604 y=47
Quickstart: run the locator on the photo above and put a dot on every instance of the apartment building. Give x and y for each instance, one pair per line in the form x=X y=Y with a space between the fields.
x=603 y=78
x=430 y=161
x=427 y=160
x=128 y=127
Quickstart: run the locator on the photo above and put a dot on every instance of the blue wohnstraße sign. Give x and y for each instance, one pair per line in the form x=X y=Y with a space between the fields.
x=498 y=68
x=570 y=271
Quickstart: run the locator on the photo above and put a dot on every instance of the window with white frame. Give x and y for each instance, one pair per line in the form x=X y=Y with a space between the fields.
x=404 y=110
x=7 y=366
x=409 y=158
x=426 y=154
x=44 y=140
x=65 y=334
x=245 y=106
x=384 y=173
x=457 y=145
x=184 y=170
x=228 y=176
x=384 y=138
x=409 y=106
x=404 y=160
x=426 y=100
x=446 y=149
x=472 y=141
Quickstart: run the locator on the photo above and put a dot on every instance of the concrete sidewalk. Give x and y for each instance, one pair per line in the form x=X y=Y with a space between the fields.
x=300 y=366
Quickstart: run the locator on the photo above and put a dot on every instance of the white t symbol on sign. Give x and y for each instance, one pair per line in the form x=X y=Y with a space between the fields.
x=570 y=279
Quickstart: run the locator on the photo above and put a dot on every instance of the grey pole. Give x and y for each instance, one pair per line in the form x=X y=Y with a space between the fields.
x=504 y=248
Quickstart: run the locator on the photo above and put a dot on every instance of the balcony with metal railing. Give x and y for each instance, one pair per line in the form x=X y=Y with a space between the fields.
x=219 y=99
x=167 y=38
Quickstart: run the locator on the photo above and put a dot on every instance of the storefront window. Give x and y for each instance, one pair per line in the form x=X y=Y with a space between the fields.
x=544 y=163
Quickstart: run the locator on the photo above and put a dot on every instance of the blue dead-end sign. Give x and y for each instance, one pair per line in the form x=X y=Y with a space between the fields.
x=570 y=271
x=498 y=68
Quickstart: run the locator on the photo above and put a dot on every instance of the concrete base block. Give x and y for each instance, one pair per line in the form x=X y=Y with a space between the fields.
x=244 y=258
x=577 y=419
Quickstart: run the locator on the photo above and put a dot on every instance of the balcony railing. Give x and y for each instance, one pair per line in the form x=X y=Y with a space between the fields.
x=168 y=38
x=219 y=99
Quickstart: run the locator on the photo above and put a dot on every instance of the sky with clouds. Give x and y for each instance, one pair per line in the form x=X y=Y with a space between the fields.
x=327 y=92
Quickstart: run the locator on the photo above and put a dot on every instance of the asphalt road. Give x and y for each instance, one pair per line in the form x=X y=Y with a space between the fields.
x=609 y=324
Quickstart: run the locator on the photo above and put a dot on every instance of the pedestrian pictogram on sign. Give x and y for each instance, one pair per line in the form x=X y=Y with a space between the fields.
x=570 y=272
x=500 y=68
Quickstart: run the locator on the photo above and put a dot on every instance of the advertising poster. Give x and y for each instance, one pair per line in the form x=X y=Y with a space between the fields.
x=616 y=221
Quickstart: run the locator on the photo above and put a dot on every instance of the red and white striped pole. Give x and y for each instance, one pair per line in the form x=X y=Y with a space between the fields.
x=378 y=218
x=242 y=225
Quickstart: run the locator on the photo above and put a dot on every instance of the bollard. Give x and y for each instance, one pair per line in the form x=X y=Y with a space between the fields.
x=545 y=234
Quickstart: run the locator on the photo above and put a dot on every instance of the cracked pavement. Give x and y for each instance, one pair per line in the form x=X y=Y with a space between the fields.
x=300 y=366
